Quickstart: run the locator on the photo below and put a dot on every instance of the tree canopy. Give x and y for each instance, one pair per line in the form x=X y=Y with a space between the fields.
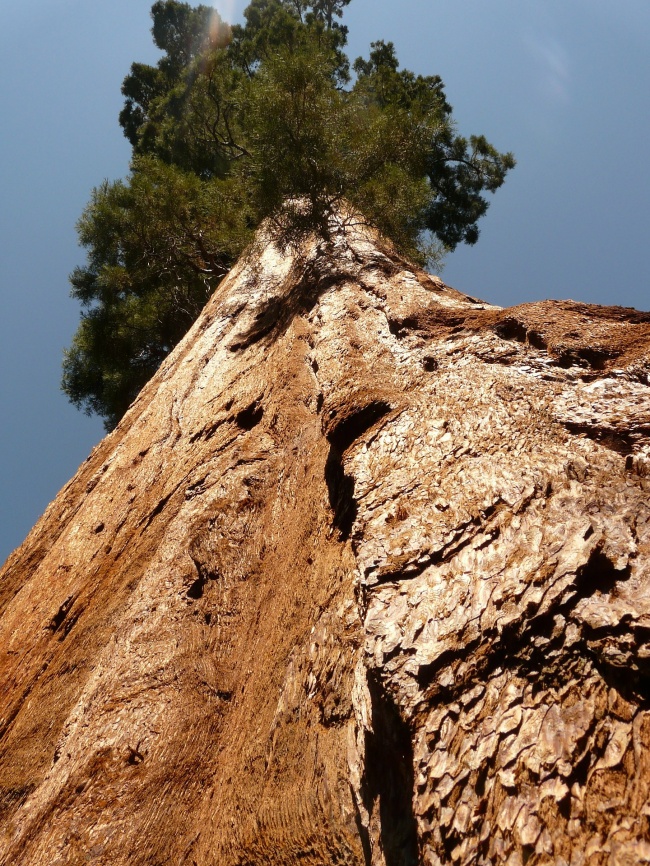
x=235 y=125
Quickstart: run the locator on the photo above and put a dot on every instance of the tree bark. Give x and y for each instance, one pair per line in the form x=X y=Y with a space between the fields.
x=360 y=578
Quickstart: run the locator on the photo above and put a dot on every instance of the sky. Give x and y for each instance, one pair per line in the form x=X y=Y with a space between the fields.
x=562 y=83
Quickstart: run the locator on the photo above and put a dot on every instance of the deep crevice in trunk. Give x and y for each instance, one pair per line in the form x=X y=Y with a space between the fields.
x=343 y=431
x=389 y=778
x=340 y=488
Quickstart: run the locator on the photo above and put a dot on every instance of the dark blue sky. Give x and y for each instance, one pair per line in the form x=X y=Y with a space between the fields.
x=563 y=83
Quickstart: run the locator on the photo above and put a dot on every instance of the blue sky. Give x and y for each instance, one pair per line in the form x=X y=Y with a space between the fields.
x=562 y=83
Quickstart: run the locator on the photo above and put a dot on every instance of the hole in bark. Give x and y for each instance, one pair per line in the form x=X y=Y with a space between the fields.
x=196 y=590
x=389 y=779
x=134 y=756
x=340 y=488
x=570 y=358
x=400 y=327
x=223 y=695
x=250 y=416
x=430 y=364
x=59 y=617
x=536 y=340
x=156 y=511
x=204 y=572
x=354 y=423
x=586 y=357
x=341 y=434
x=511 y=329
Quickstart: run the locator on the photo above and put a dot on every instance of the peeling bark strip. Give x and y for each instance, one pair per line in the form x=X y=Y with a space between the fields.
x=361 y=578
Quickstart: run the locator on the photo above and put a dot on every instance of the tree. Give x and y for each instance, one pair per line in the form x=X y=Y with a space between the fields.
x=158 y=247
x=236 y=125
x=458 y=171
x=327 y=10
x=182 y=33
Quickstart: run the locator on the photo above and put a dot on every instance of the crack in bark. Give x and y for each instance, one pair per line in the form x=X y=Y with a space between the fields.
x=388 y=781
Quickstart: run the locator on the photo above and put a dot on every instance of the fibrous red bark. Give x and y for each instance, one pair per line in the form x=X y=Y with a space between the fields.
x=361 y=577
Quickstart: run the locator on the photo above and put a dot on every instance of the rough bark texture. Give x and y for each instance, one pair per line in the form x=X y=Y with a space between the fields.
x=361 y=578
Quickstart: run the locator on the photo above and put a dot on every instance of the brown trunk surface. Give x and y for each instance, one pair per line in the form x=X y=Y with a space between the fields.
x=361 y=578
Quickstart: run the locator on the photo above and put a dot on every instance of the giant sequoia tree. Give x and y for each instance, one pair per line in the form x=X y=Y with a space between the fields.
x=239 y=124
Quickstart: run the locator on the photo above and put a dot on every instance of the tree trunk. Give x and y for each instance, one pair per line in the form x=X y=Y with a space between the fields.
x=360 y=578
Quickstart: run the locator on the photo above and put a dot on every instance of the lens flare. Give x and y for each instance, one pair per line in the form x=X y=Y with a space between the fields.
x=227 y=9
x=219 y=27
x=552 y=65
x=218 y=31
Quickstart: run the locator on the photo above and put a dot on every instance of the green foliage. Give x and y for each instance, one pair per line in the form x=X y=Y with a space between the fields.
x=158 y=247
x=182 y=33
x=237 y=125
x=457 y=171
